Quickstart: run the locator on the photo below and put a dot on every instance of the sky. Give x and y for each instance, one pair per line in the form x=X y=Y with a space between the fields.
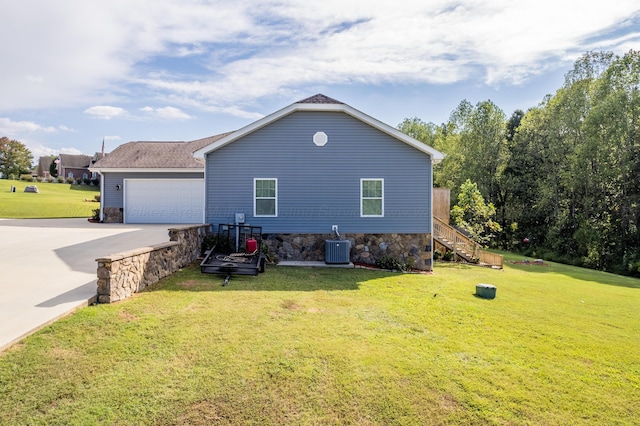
x=75 y=73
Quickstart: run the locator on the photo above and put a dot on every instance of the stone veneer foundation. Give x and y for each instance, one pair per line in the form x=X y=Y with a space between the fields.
x=123 y=274
x=365 y=248
x=112 y=215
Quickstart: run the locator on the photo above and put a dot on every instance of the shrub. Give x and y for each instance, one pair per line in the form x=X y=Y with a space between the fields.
x=214 y=240
x=392 y=263
x=448 y=256
x=26 y=178
x=69 y=180
x=96 y=214
x=269 y=256
x=97 y=197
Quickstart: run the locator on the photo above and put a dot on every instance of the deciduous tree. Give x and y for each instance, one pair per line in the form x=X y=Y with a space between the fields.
x=15 y=158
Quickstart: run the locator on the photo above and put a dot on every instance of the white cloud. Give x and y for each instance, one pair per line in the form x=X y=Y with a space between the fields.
x=106 y=112
x=167 y=113
x=224 y=56
x=38 y=150
x=70 y=150
x=444 y=42
x=13 y=128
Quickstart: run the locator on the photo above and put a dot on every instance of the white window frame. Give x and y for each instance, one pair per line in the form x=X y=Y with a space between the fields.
x=362 y=198
x=255 y=198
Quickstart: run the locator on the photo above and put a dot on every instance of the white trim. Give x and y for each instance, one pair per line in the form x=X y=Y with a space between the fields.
x=255 y=214
x=362 y=197
x=436 y=156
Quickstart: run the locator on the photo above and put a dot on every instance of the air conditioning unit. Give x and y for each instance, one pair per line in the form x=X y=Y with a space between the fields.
x=337 y=251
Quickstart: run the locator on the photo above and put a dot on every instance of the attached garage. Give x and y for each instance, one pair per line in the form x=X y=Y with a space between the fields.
x=169 y=201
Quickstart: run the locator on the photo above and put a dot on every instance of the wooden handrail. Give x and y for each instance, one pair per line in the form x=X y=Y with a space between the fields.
x=463 y=245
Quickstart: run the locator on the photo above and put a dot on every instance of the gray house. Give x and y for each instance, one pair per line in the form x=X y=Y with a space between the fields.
x=153 y=182
x=298 y=173
x=318 y=164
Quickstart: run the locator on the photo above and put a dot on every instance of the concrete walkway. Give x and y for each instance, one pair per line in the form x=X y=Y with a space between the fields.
x=48 y=267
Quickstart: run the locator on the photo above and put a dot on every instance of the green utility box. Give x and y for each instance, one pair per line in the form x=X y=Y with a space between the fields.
x=486 y=291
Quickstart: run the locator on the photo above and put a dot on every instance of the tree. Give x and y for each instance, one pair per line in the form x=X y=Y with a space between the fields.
x=15 y=158
x=53 y=168
x=419 y=130
x=473 y=215
x=475 y=147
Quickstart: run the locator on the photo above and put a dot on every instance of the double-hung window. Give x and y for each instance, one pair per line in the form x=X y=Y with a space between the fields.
x=371 y=197
x=265 y=197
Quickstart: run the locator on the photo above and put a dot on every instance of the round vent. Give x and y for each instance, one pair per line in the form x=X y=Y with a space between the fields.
x=320 y=138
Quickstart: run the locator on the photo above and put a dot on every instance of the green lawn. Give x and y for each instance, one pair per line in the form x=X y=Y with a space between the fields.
x=54 y=200
x=559 y=345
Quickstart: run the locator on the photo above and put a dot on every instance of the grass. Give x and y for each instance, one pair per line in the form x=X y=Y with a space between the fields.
x=54 y=200
x=558 y=345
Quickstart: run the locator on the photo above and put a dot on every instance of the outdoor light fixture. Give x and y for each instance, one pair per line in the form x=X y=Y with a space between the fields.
x=117 y=187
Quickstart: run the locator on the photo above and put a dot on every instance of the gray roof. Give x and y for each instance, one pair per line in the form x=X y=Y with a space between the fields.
x=75 y=161
x=319 y=99
x=44 y=163
x=156 y=155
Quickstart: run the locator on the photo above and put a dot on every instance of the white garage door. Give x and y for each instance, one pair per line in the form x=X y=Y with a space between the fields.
x=164 y=201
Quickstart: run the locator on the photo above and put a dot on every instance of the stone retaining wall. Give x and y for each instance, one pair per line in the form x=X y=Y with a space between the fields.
x=123 y=274
x=365 y=248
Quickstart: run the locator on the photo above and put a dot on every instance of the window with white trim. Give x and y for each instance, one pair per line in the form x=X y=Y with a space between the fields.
x=371 y=197
x=265 y=197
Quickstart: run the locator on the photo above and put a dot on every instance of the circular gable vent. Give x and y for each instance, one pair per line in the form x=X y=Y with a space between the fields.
x=320 y=138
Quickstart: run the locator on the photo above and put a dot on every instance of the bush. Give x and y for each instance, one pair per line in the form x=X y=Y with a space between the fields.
x=448 y=256
x=219 y=242
x=69 y=180
x=96 y=214
x=269 y=256
x=392 y=263
x=97 y=197
x=26 y=178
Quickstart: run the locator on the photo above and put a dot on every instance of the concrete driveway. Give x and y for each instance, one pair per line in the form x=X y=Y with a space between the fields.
x=48 y=267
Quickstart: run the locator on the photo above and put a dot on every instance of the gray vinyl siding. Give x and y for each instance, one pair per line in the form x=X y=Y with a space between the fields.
x=111 y=197
x=320 y=186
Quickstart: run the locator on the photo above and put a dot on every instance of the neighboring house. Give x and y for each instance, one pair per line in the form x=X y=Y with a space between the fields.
x=69 y=166
x=44 y=167
x=319 y=163
x=152 y=182
x=97 y=156
x=74 y=166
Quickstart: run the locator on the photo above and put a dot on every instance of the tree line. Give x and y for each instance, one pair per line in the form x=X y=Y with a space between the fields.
x=564 y=177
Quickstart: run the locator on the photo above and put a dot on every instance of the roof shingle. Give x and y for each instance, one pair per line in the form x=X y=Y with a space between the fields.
x=319 y=99
x=156 y=155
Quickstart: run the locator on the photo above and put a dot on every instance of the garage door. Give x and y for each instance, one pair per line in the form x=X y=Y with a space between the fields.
x=164 y=201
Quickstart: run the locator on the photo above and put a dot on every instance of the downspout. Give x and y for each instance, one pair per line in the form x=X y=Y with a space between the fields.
x=204 y=207
x=101 y=196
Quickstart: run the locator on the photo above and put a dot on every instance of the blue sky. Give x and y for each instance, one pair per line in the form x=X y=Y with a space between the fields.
x=75 y=72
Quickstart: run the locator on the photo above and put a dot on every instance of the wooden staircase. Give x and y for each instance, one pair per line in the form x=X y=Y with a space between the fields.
x=464 y=246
